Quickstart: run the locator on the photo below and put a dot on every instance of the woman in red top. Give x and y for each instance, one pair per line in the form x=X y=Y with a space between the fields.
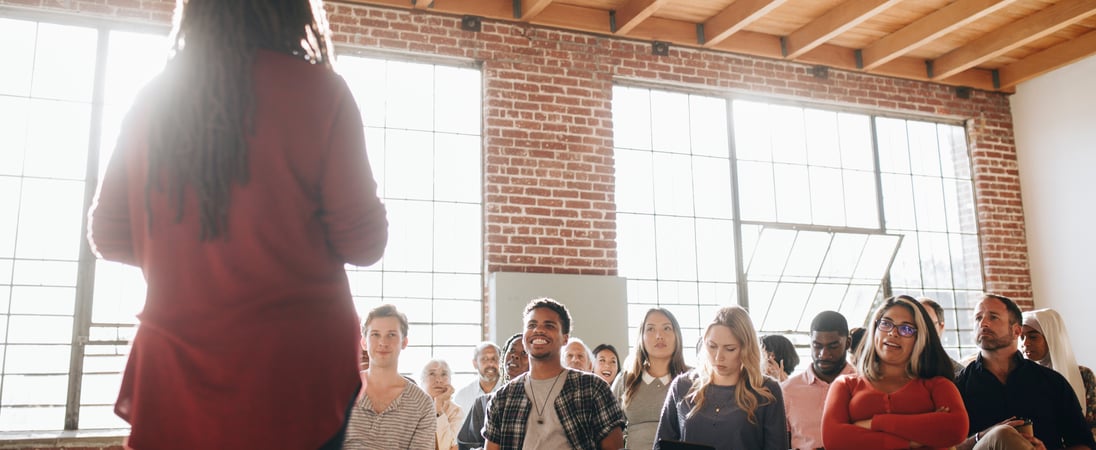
x=903 y=395
x=240 y=186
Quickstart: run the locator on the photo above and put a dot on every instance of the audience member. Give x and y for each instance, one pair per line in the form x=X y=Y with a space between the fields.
x=517 y=363
x=576 y=355
x=936 y=314
x=1044 y=340
x=1000 y=386
x=486 y=362
x=241 y=188
x=531 y=413
x=805 y=393
x=657 y=358
x=856 y=342
x=726 y=402
x=392 y=412
x=435 y=380
x=779 y=357
x=903 y=395
x=607 y=362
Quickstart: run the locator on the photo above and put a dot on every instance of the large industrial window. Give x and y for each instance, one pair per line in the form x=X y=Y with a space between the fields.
x=789 y=210
x=66 y=320
x=422 y=130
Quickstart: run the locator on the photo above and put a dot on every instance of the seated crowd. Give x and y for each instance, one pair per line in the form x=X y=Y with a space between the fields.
x=899 y=389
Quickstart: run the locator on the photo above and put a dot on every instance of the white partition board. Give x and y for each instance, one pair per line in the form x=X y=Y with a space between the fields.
x=598 y=305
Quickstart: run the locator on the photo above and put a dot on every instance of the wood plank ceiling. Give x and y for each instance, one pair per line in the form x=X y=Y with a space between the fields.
x=984 y=44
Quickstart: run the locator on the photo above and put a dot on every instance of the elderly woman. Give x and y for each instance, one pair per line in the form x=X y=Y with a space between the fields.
x=436 y=382
x=1044 y=340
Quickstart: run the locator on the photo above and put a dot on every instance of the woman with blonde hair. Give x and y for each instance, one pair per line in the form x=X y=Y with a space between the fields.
x=726 y=402
x=903 y=395
x=656 y=359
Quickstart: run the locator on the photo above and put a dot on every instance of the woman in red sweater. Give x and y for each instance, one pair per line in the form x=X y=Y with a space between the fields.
x=903 y=395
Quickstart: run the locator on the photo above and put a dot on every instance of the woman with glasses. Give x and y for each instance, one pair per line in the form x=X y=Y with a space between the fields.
x=726 y=403
x=657 y=358
x=902 y=395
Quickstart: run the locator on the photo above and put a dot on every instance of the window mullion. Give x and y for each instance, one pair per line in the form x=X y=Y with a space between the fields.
x=736 y=212
x=85 y=275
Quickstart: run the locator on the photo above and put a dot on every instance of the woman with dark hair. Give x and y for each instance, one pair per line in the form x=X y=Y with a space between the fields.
x=780 y=356
x=240 y=186
x=606 y=362
x=902 y=395
x=726 y=402
x=657 y=358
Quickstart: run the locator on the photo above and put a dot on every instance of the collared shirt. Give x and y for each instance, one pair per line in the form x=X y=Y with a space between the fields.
x=1030 y=391
x=804 y=397
x=586 y=409
x=468 y=394
x=648 y=379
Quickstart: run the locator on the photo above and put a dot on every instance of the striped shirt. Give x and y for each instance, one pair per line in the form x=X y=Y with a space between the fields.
x=407 y=423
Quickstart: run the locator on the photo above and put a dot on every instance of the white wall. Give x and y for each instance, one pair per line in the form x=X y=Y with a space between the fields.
x=1054 y=117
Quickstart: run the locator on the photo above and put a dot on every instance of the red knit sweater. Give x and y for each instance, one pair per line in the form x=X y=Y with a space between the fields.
x=908 y=414
x=250 y=341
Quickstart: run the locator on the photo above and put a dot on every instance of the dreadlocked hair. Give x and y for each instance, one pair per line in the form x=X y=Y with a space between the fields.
x=203 y=110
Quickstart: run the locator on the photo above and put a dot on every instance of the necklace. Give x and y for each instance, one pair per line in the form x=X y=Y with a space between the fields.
x=540 y=409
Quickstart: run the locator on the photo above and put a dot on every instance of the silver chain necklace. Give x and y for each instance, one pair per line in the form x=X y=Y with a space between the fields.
x=532 y=393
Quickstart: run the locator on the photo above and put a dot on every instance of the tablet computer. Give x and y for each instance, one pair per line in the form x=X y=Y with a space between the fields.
x=666 y=444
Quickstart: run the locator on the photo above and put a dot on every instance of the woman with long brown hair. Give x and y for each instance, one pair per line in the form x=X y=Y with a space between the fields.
x=657 y=358
x=240 y=186
x=727 y=402
x=902 y=395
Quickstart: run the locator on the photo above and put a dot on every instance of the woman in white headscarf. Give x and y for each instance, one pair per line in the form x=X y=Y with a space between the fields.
x=1045 y=340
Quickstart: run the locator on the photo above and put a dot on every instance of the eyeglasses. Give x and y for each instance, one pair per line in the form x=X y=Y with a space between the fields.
x=886 y=326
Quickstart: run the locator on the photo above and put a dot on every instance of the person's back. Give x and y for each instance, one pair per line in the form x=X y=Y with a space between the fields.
x=248 y=327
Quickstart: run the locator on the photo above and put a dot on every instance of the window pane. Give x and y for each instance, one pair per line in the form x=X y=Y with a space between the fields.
x=758 y=197
x=409 y=159
x=13 y=133
x=631 y=118
x=789 y=141
x=119 y=293
x=861 y=206
x=771 y=255
x=16 y=77
x=827 y=207
x=410 y=96
x=672 y=184
x=52 y=301
x=793 y=194
x=36 y=359
x=9 y=202
x=708 y=117
x=712 y=187
x=50 y=216
x=636 y=245
x=893 y=145
x=823 y=144
x=671 y=112
x=634 y=172
x=806 y=256
x=924 y=150
x=64 y=62
x=457 y=106
x=676 y=243
x=715 y=250
x=856 y=151
x=752 y=131
x=457 y=245
x=54 y=154
x=898 y=202
x=787 y=306
x=457 y=176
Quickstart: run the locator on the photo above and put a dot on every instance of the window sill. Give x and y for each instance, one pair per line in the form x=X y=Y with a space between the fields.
x=62 y=439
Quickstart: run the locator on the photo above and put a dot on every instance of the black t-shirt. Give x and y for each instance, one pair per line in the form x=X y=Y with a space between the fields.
x=1030 y=391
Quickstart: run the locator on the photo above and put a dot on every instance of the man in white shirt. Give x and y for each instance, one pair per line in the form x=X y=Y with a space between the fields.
x=486 y=362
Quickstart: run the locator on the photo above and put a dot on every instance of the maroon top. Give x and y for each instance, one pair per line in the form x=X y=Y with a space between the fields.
x=249 y=340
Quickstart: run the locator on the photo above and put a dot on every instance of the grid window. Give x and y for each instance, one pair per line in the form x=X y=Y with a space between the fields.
x=812 y=232
x=422 y=126
x=674 y=216
x=929 y=199
x=45 y=116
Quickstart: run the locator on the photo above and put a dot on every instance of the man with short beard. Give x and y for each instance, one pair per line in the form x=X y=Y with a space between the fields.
x=1000 y=387
x=486 y=362
x=805 y=393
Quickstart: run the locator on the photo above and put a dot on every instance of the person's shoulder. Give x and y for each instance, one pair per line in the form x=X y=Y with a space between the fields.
x=415 y=393
x=515 y=385
x=796 y=380
x=770 y=382
x=684 y=380
x=1086 y=374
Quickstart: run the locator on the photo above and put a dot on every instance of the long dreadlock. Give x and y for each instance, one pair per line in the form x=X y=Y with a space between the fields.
x=204 y=110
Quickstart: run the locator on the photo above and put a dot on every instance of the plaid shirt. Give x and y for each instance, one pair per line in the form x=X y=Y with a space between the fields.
x=585 y=406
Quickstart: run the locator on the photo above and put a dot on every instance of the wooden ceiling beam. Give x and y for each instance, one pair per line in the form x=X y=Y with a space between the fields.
x=1011 y=36
x=531 y=8
x=926 y=29
x=831 y=24
x=1047 y=60
x=736 y=17
x=634 y=13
